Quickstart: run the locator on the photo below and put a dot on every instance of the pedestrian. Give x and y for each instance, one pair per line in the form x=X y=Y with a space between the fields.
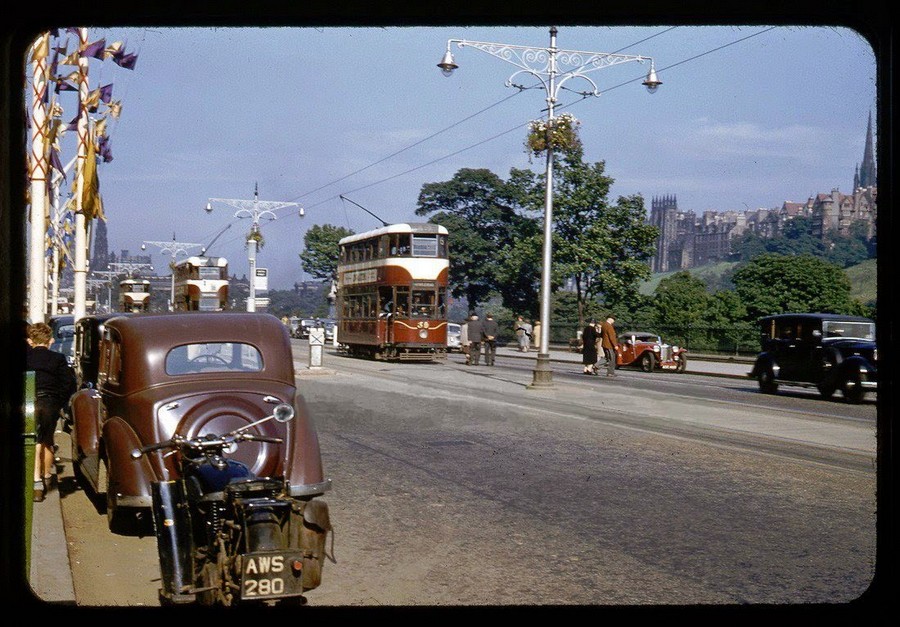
x=464 y=339
x=523 y=333
x=475 y=333
x=609 y=344
x=589 y=337
x=536 y=336
x=54 y=383
x=490 y=331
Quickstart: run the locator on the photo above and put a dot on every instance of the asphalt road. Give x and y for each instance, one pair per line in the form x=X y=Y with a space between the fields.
x=459 y=486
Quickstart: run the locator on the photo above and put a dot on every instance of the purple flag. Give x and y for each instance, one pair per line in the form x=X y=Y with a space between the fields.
x=56 y=163
x=62 y=85
x=126 y=61
x=95 y=49
x=106 y=93
x=73 y=125
x=105 y=151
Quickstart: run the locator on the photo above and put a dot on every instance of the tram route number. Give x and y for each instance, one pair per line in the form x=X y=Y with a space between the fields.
x=271 y=575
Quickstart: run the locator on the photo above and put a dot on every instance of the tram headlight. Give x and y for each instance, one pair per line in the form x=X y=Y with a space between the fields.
x=423 y=333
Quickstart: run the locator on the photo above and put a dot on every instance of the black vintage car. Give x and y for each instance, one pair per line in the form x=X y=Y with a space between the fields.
x=827 y=351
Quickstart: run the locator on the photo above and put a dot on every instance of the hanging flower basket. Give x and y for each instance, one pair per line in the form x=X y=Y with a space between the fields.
x=559 y=133
x=257 y=237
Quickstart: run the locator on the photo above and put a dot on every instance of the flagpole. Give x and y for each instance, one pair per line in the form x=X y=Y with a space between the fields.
x=37 y=305
x=80 y=221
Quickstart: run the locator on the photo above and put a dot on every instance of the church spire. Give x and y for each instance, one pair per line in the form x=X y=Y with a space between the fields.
x=866 y=176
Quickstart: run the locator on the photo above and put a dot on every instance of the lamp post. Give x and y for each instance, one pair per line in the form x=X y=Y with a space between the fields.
x=545 y=64
x=254 y=209
x=171 y=248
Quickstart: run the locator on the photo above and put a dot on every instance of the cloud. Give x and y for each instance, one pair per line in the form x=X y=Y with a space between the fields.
x=803 y=143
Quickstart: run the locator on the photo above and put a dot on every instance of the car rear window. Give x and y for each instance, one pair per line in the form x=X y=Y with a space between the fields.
x=213 y=357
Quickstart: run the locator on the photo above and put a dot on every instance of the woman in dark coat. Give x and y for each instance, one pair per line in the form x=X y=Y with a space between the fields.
x=589 y=338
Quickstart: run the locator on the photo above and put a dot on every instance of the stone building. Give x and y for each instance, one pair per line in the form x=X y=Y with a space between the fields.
x=688 y=240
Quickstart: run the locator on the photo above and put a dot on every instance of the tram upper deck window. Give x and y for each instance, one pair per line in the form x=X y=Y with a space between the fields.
x=424 y=246
x=210 y=272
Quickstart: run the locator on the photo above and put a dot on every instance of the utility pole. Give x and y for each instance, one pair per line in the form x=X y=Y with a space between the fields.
x=172 y=248
x=38 y=171
x=254 y=209
x=81 y=240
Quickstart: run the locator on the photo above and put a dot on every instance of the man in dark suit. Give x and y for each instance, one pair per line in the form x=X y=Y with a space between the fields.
x=490 y=331
x=54 y=383
x=476 y=332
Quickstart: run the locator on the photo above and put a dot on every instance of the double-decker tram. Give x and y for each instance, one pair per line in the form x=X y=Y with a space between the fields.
x=392 y=293
x=134 y=295
x=201 y=284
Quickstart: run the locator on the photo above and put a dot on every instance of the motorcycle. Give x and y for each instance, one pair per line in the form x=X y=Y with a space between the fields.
x=227 y=537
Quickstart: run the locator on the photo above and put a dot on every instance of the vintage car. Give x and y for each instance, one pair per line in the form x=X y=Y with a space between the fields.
x=648 y=352
x=88 y=331
x=63 y=336
x=829 y=352
x=454 y=332
x=189 y=374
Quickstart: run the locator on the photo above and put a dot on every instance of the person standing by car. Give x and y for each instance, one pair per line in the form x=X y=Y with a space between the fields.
x=54 y=383
x=609 y=345
x=490 y=331
x=475 y=333
x=589 y=337
x=464 y=339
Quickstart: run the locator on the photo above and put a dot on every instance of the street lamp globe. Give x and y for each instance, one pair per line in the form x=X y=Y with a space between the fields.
x=651 y=82
x=447 y=65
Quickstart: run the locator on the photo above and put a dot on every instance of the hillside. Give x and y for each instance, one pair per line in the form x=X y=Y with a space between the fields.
x=863 y=279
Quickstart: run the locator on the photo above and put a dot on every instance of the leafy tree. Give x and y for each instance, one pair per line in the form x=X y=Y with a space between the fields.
x=681 y=303
x=603 y=248
x=484 y=224
x=322 y=252
x=772 y=284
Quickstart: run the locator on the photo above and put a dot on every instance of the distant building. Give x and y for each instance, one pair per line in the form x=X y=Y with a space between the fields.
x=687 y=240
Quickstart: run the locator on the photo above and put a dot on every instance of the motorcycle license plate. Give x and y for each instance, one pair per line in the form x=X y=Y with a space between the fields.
x=271 y=575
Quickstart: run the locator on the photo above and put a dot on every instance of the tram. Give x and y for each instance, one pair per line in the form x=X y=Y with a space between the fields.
x=201 y=284
x=392 y=293
x=134 y=295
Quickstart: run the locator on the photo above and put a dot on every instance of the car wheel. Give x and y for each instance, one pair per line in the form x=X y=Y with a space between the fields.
x=852 y=388
x=766 y=380
x=648 y=362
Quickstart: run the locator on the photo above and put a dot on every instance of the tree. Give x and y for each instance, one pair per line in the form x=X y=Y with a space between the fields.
x=321 y=251
x=603 y=248
x=681 y=303
x=773 y=284
x=476 y=208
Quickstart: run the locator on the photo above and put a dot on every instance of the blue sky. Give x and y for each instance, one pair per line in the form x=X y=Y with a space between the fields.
x=746 y=117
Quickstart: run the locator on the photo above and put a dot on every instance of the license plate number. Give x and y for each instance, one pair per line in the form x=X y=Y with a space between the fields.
x=271 y=575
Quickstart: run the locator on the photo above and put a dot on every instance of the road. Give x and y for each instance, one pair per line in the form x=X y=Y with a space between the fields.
x=456 y=485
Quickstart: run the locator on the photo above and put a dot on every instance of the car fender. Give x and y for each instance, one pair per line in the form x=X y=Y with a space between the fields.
x=764 y=360
x=128 y=477
x=85 y=406
x=854 y=363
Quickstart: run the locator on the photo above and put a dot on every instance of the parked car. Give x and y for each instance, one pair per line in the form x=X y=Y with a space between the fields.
x=453 y=337
x=188 y=374
x=648 y=352
x=88 y=331
x=829 y=352
x=64 y=336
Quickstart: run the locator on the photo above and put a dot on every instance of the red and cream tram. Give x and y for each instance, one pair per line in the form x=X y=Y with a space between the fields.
x=392 y=293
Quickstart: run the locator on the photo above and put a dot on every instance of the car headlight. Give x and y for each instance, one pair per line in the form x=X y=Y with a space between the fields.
x=656 y=348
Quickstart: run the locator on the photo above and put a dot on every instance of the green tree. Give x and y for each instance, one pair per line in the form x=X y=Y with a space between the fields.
x=321 y=251
x=604 y=248
x=681 y=303
x=773 y=284
x=484 y=223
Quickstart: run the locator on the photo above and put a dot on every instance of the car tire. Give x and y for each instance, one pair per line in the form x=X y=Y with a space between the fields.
x=852 y=389
x=766 y=380
x=826 y=389
x=648 y=362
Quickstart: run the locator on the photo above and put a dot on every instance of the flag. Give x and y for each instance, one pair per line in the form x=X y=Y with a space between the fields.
x=73 y=125
x=100 y=128
x=41 y=48
x=126 y=61
x=93 y=99
x=62 y=85
x=115 y=108
x=71 y=59
x=103 y=147
x=106 y=93
x=112 y=49
x=95 y=49
x=91 y=205
x=56 y=163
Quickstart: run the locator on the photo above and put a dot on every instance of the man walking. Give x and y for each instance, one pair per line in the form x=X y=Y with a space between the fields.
x=490 y=331
x=609 y=345
x=523 y=333
x=475 y=333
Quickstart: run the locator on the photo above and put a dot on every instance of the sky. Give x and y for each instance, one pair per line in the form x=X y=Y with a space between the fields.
x=746 y=117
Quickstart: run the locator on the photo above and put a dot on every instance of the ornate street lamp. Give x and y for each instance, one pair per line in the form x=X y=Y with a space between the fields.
x=544 y=64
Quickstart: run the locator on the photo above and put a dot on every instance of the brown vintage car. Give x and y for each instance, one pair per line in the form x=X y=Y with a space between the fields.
x=648 y=352
x=189 y=374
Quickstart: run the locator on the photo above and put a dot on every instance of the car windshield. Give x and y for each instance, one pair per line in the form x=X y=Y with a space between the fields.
x=213 y=357
x=857 y=330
